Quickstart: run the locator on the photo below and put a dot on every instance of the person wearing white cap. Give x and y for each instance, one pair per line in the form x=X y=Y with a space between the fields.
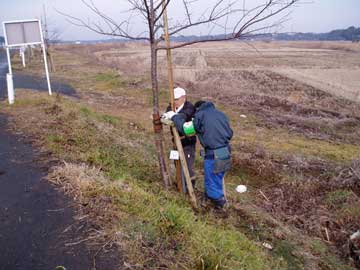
x=182 y=106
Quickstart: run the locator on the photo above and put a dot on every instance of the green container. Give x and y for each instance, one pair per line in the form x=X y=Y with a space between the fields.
x=189 y=129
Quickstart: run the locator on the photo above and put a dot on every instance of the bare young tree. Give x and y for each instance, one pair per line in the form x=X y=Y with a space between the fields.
x=229 y=19
x=51 y=33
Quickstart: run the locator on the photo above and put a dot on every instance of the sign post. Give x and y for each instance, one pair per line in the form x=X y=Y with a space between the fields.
x=22 y=54
x=10 y=85
x=45 y=60
x=9 y=76
x=18 y=34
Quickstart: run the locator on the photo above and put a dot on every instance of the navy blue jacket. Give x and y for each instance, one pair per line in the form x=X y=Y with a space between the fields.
x=211 y=125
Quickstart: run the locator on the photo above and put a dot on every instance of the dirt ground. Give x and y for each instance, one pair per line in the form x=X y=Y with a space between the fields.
x=331 y=67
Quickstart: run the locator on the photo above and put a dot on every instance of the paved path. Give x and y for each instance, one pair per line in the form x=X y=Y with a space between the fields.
x=30 y=82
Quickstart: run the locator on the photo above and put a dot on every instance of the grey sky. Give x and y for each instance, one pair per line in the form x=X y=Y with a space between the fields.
x=318 y=16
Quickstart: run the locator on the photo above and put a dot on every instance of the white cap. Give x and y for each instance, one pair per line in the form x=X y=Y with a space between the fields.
x=179 y=92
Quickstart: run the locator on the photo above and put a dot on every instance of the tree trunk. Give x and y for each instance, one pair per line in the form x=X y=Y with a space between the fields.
x=51 y=61
x=159 y=136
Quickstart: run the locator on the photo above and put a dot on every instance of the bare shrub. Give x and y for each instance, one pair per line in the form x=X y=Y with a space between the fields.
x=325 y=207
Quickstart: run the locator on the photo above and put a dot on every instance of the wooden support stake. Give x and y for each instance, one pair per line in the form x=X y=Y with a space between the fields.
x=177 y=141
x=171 y=91
x=224 y=188
x=185 y=167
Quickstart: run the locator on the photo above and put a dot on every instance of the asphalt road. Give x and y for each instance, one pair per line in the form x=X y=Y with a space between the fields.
x=33 y=215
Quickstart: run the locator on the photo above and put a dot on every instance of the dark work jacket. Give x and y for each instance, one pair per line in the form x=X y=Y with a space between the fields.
x=211 y=125
x=187 y=113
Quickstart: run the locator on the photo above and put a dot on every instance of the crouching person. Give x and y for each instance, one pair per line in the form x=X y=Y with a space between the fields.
x=213 y=130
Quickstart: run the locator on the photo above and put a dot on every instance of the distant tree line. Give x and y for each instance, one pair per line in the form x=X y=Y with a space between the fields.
x=350 y=34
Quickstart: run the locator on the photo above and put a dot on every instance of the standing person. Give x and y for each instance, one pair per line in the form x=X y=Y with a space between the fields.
x=214 y=132
x=186 y=108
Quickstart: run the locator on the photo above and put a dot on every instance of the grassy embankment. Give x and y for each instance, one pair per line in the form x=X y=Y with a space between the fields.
x=159 y=224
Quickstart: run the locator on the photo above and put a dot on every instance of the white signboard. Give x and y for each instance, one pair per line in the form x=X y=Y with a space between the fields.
x=19 y=33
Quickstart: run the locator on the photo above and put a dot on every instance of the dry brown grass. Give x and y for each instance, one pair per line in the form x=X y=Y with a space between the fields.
x=74 y=179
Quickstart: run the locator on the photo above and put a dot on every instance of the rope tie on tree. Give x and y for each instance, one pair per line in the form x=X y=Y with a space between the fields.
x=157 y=123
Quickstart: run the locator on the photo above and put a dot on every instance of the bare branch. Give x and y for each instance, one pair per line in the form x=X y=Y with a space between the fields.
x=187 y=11
x=246 y=14
x=116 y=29
x=159 y=5
x=249 y=18
x=195 y=42
x=254 y=20
x=215 y=15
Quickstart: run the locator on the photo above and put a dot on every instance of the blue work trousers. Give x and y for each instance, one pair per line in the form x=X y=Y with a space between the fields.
x=213 y=181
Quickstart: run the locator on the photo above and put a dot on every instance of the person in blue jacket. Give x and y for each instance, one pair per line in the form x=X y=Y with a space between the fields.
x=214 y=132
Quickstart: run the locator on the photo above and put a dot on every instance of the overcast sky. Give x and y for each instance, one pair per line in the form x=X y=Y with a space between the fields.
x=315 y=16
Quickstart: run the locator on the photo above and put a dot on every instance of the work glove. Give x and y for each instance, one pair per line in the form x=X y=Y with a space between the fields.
x=168 y=115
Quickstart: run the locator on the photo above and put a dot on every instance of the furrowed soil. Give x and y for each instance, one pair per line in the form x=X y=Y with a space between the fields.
x=295 y=111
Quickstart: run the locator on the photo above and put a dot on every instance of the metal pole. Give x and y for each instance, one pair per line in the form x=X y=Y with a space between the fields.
x=45 y=59
x=23 y=56
x=9 y=60
x=46 y=69
x=10 y=87
x=9 y=76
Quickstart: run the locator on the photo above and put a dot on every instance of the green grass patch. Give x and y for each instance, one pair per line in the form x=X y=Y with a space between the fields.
x=279 y=142
x=197 y=243
x=350 y=212
x=328 y=260
x=284 y=251
x=85 y=111
x=109 y=80
x=336 y=199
